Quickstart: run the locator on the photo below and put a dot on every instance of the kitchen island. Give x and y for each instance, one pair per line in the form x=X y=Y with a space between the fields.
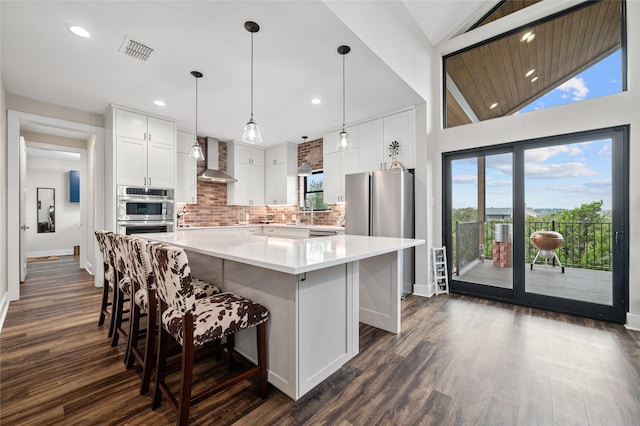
x=317 y=290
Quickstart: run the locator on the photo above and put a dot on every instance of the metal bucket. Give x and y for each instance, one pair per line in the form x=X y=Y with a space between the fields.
x=502 y=233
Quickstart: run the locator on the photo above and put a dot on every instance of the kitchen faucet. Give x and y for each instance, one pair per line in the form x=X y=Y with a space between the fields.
x=310 y=206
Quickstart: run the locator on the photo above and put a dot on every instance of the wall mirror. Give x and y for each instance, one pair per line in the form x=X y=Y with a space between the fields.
x=46 y=210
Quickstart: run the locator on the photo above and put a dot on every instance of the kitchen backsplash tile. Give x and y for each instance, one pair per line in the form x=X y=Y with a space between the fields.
x=212 y=209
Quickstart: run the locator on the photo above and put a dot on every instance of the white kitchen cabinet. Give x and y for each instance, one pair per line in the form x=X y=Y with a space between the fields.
x=249 y=155
x=401 y=128
x=145 y=150
x=336 y=166
x=246 y=164
x=371 y=154
x=186 y=168
x=281 y=172
x=133 y=125
x=376 y=137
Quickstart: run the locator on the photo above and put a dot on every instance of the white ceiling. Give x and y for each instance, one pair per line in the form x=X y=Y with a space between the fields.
x=295 y=61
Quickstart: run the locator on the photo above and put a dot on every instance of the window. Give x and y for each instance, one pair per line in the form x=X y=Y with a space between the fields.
x=314 y=191
x=574 y=55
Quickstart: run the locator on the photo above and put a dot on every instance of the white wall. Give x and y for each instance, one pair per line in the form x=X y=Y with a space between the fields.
x=4 y=302
x=52 y=173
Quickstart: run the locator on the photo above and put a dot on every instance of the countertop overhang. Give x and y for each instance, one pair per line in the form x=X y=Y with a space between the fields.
x=288 y=255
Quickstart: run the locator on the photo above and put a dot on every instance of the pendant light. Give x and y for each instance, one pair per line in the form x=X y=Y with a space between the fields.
x=304 y=169
x=251 y=132
x=344 y=143
x=196 y=152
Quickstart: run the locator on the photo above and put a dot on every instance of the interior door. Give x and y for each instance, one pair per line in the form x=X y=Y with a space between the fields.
x=23 y=210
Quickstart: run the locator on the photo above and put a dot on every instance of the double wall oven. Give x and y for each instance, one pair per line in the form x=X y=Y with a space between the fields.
x=141 y=210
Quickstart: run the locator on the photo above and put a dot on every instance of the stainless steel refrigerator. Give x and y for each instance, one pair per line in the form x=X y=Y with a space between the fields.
x=381 y=204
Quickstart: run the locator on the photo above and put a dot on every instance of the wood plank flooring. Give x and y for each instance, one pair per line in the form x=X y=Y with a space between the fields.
x=457 y=361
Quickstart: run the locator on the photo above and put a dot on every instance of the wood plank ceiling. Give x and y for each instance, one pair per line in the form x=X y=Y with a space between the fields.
x=496 y=72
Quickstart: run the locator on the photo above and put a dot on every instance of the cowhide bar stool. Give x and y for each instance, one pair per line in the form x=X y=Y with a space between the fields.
x=144 y=304
x=106 y=307
x=193 y=323
x=122 y=290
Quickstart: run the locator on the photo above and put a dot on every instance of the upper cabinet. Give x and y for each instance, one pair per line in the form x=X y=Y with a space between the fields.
x=399 y=131
x=145 y=150
x=246 y=164
x=281 y=172
x=186 y=181
x=372 y=140
x=383 y=138
x=337 y=164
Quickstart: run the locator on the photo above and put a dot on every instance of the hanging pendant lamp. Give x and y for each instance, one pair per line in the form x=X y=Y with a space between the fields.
x=344 y=143
x=251 y=131
x=304 y=169
x=196 y=152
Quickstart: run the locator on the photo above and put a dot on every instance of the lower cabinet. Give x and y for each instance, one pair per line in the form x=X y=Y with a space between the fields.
x=313 y=322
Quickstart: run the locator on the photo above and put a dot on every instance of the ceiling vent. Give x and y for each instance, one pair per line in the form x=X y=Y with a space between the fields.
x=135 y=49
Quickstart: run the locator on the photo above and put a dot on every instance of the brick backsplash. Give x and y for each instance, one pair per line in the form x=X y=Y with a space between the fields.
x=212 y=209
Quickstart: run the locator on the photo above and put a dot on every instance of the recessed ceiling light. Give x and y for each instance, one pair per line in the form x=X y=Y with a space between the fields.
x=316 y=101
x=531 y=71
x=493 y=105
x=79 y=31
x=526 y=36
x=159 y=102
x=534 y=79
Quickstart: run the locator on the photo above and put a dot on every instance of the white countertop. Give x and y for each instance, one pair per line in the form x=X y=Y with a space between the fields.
x=272 y=225
x=288 y=255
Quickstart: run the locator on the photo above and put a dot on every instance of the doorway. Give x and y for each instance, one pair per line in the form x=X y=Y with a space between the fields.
x=542 y=223
x=92 y=216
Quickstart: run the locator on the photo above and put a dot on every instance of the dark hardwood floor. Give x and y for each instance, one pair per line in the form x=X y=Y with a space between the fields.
x=458 y=360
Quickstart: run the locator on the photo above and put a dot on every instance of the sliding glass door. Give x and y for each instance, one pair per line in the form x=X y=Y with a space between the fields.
x=542 y=223
x=481 y=204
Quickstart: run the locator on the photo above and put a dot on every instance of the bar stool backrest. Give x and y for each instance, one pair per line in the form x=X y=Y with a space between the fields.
x=140 y=267
x=174 y=285
x=104 y=243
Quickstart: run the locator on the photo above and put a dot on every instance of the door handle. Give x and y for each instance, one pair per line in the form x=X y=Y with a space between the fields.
x=24 y=227
x=618 y=239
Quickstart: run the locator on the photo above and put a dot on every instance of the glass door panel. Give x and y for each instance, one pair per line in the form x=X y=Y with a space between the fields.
x=569 y=231
x=481 y=221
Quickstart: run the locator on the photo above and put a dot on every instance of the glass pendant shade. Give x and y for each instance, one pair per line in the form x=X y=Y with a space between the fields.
x=251 y=133
x=304 y=169
x=344 y=143
x=196 y=152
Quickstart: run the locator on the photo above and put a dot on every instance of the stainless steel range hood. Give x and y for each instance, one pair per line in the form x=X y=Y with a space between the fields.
x=212 y=174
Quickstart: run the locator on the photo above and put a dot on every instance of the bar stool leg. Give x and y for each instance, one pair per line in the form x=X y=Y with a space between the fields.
x=262 y=357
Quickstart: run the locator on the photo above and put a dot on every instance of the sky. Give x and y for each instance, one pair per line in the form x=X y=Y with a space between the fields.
x=562 y=176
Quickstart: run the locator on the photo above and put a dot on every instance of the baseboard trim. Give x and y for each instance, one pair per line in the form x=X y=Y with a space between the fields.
x=61 y=252
x=4 y=308
x=424 y=290
x=633 y=322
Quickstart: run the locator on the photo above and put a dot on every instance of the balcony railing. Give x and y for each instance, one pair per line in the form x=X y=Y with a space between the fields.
x=587 y=245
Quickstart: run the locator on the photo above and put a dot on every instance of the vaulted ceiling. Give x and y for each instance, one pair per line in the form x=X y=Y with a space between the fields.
x=512 y=72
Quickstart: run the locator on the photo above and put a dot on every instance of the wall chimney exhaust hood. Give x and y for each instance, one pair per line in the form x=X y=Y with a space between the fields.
x=212 y=174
